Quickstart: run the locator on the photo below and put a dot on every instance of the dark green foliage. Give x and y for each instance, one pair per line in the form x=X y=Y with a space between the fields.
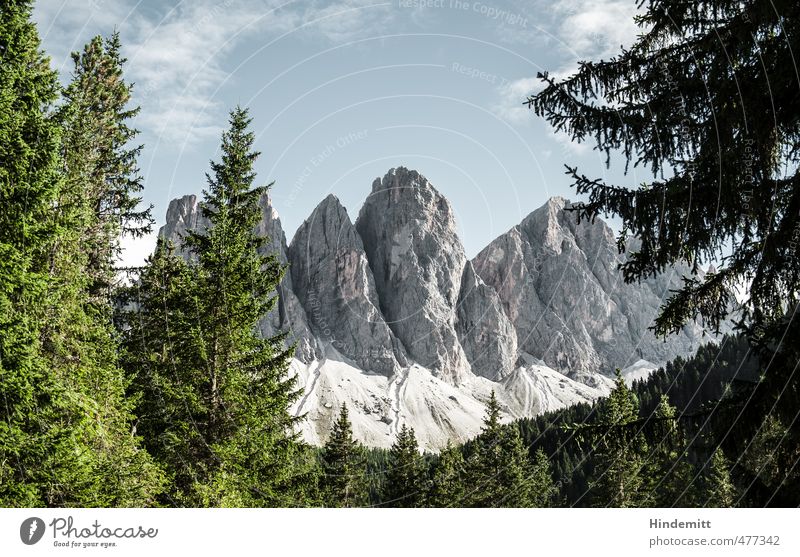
x=343 y=466
x=215 y=395
x=448 y=479
x=499 y=470
x=700 y=388
x=707 y=99
x=668 y=475
x=729 y=143
x=157 y=353
x=406 y=473
x=65 y=437
x=543 y=490
x=619 y=446
x=719 y=490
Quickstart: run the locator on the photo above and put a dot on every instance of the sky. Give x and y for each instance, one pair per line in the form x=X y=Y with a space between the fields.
x=341 y=91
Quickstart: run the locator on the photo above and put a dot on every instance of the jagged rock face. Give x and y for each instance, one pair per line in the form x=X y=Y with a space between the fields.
x=333 y=281
x=484 y=330
x=417 y=259
x=289 y=316
x=183 y=215
x=560 y=286
x=390 y=319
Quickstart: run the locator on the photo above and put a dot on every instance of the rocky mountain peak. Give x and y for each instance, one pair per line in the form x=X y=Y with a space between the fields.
x=417 y=259
x=333 y=281
x=390 y=318
x=400 y=177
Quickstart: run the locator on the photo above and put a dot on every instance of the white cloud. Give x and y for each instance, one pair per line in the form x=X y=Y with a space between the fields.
x=511 y=96
x=177 y=54
x=177 y=63
x=566 y=145
x=586 y=30
x=345 y=20
x=594 y=29
x=66 y=26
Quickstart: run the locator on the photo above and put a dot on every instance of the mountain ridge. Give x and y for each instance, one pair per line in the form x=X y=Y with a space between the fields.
x=392 y=319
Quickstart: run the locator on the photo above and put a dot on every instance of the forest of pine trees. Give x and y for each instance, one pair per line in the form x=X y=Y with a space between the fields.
x=161 y=392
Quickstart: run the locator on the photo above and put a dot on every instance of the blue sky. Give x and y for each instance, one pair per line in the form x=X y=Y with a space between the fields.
x=342 y=91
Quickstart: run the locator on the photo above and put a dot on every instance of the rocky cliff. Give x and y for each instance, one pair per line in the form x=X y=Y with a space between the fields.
x=390 y=318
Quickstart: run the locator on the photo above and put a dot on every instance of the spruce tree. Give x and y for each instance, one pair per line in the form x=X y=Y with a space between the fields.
x=720 y=490
x=668 y=476
x=101 y=175
x=37 y=464
x=226 y=403
x=543 y=490
x=499 y=471
x=705 y=99
x=619 y=448
x=343 y=466
x=65 y=437
x=158 y=322
x=405 y=477
x=447 y=483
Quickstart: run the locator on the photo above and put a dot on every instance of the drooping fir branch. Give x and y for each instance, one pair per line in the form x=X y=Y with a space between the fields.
x=707 y=99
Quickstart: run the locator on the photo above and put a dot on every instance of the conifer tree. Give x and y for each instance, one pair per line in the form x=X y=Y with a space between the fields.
x=706 y=99
x=500 y=473
x=37 y=465
x=65 y=436
x=405 y=478
x=619 y=447
x=668 y=476
x=229 y=393
x=543 y=490
x=720 y=490
x=101 y=174
x=447 y=483
x=343 y=466
x=157 y=352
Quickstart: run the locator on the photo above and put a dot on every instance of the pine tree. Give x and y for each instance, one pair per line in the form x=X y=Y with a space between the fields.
x=447 y=483
x=101 y=175
x=543 y=490
x=706 y=99
x=405 y=478
x=499 y=470
x=619 y=447
x=720 y=490
x=65 y=434
x=668 y=475
x=158 y=321
x=225 y=408
x=343 y=466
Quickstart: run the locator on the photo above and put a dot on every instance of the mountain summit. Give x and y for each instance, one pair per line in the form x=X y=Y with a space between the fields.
x=390 y=317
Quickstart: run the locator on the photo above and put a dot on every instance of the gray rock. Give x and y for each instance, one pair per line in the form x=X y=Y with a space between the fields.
x=183 y=215
x=484 y=330
x=560 y=286
x=333 y=281
x=394 y=289
x=417 y=259
x=288 y=316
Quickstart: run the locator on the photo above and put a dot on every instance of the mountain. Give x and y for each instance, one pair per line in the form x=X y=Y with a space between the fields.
x=559 y=283
x=390 y=318
x=417 y=259
x=332 y=278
